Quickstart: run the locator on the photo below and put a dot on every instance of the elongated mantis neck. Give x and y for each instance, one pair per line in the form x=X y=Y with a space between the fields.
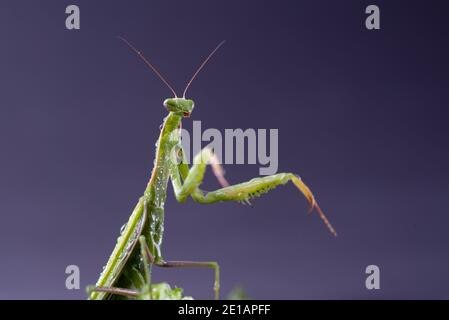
x=164 y=145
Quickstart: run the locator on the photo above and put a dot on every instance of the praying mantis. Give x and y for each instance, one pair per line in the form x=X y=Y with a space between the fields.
x=127 y=274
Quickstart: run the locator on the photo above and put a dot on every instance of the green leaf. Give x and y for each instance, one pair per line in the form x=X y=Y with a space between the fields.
x=163 y=291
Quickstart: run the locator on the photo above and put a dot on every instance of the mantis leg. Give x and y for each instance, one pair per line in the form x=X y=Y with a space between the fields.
x=183 y=264
x=242 y=192
x=197 y=264
x=112 y=290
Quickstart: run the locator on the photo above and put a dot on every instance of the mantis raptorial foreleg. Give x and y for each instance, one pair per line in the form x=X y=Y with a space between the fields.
x=193 y=177
x=242 y=192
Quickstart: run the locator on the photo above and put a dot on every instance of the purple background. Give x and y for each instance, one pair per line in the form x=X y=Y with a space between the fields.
x=362 y=116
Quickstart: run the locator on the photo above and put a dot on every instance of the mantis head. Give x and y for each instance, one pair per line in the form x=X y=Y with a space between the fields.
x=181 y=106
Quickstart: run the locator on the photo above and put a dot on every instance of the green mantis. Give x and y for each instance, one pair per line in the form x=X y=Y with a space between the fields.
x=128 y=271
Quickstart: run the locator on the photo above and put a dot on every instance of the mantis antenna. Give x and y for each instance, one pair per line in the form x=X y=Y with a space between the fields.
x=148 y=64
x=201 y=67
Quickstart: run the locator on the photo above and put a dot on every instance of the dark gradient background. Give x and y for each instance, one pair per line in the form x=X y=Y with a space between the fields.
x=362 y=116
